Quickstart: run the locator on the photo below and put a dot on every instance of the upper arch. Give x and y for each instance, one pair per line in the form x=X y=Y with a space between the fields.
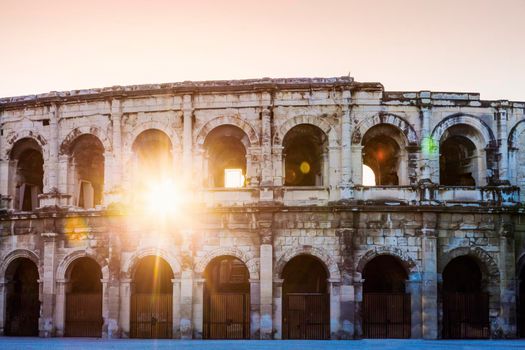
x=248 y=260
x=304 y=119
x=406 y=261
x=385 y=118
x=319 y=253
x=227 y=120
x=153 y=125
x=68 y=141
x=515 y=134
x=467 y=119
x=488 y=266
x=63 y=267
x=17 y=254
x=130 y=265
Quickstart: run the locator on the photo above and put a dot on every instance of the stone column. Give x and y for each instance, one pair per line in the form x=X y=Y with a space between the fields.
x=266 y=275
x=427 y=144
x=266 y=147
x=176 y=307
x=335 y=308
x=3 y=295
x=346 y=153
x=105 y=307
x=507 y=279
x=278 y=308
x=429 y=282
x=501 y=118
x=198 y=307
x=278 y=165
x=347 y=309
x=255 y=304
x=186 y=305
x=60 y=309
x=187 y=137
x=47 y=324
x=413 y=287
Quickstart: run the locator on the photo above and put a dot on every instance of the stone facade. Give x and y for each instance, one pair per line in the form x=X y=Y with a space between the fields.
x=413 y=216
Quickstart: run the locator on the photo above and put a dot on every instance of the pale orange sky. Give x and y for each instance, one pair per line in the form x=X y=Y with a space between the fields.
x=445 y=45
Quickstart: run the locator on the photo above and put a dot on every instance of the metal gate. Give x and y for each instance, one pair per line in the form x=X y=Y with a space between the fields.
x=386 y=315
x=22 y=314
x=227 y=316
x=306 y=316
x=151 y=316
x=83 y=315
x=466 y=315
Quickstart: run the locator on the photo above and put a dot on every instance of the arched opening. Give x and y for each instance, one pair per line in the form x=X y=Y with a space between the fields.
x=306 y=299
x=386 y=305
x=84 y=299
x=225 y=157
x=27 y=166
x=86 y=171
x=152 y=299
x=226 y=299
x=460 y=161
x=22 y=298
x=465 y=305
x=305 y=156
x=152 y=151
x=384 y=155
x=521 y=302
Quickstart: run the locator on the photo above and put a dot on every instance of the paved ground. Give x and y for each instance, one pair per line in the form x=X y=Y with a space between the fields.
x=136 y=344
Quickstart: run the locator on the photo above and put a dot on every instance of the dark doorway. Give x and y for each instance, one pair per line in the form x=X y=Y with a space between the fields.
x=152 y=299
x=457 y=162
x=386 y=306
x=226 y=299
x=84 y=300
x=465 y=305
x=22 y=303
x=306 y=301
x=521 y=303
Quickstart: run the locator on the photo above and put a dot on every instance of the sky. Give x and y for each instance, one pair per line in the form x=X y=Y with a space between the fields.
x=412 y=45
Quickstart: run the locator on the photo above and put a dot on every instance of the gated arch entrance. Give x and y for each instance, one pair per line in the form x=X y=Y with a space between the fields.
x=226 y=299
x=465 y=305
x=306 y=301
x=152 y=299
x=22 y=302
x=84 y=299
x=386 y=306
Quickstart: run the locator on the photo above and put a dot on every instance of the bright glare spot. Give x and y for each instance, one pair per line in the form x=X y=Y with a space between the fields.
x=304 y=167
x=369 y=178
x=163 y=198
x=233 y=178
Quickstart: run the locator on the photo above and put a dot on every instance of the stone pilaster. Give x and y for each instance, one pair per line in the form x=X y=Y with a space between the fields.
x=428 y=150
x=47 y=323
x=60 y=309
x=255 y=308
x=113 y=160
x=186 y=305
x=507 y=279
x=3 y=292
x=429 y=282
x=413 y=287
x=346 y=153
x=187 y=137
x=335 y=307
x=176 y=307
x=266 y=276
x=502 y=130
x=358 y=297
x=278 y=308
x=125 y=307
x=198 y=306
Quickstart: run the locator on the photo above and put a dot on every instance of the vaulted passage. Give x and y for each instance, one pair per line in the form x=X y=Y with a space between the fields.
x=457 y=163
x=306 y=301
x=465 y=305
x=305 y=156
x=386 y=306
x=226 y=299
x=152 y=299
x=84 y=299
x=22 y=302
